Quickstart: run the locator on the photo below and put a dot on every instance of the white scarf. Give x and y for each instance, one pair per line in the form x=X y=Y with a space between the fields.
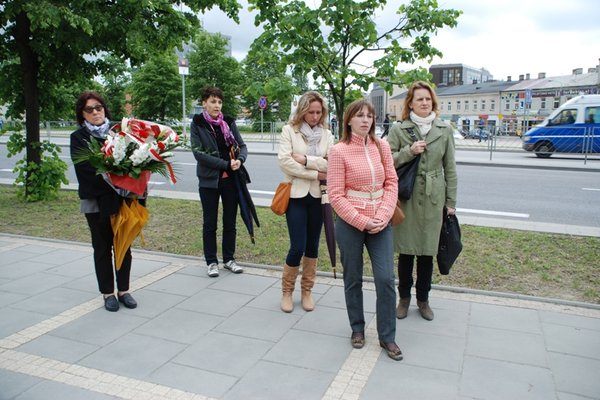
x=99 y=131
x=313 y=138
x=424 y=123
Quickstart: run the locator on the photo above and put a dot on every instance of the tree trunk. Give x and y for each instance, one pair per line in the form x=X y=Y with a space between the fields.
x=30 y=71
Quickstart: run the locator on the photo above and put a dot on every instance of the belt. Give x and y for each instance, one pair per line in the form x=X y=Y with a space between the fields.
x=365 y=195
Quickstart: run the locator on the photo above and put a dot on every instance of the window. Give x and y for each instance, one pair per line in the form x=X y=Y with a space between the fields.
x=565 y=117
x=556 y=102
x=592 y=115
x=482 y=105
x=458 y=105
x=492 y=105
x=449 y=106
x=466 y=105
x=543 y=103
x=474 y=105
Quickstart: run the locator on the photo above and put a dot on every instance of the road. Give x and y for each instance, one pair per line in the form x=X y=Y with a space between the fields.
x=513 y=185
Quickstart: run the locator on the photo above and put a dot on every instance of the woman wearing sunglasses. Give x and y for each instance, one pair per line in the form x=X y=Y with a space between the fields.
x=99 y=200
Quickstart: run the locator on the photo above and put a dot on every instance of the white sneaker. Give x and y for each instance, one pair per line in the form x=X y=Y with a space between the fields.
x=213 y=270
x=233 y=267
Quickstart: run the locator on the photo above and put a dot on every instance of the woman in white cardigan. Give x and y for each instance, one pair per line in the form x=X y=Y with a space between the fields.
x=303 y=148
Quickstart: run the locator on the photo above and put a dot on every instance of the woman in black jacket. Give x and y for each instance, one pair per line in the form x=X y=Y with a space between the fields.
x=214 y=138
x=99 y=201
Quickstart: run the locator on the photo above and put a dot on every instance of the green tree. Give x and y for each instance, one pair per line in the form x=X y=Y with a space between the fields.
x=43 y=42
x=332 y=39
x=211 y=66
x=156 y=89
x=115 y=81
x=266 y=76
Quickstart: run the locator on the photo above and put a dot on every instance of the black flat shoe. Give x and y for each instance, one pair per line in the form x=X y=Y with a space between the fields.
x=358 y=340
x=128 y=301
x=392 y=350
x=111 y=304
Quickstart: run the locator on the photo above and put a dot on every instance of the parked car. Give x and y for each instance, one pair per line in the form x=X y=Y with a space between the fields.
x=457 y=135
x=476 y=134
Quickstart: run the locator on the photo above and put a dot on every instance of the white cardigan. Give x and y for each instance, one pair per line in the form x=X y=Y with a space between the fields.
x=304 y=178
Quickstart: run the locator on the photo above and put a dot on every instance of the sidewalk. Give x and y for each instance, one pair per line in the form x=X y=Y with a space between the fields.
x=194 y=337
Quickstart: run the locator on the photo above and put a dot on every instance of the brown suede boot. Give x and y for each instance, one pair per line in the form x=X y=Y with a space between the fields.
x=425 y=310
x=402 y=309
x=288 y=281
x=309 y=275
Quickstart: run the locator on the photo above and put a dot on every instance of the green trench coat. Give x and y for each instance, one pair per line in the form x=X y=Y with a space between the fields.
x=435 y=186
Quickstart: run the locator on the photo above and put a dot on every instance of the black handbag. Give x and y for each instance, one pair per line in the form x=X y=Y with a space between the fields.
x=407 y=174
x=450 y=243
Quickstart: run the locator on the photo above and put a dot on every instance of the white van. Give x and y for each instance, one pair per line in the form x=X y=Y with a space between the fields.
x=574 y=127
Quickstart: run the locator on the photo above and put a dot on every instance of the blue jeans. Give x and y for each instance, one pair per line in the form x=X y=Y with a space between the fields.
x=304 y=219
x=210 y=211
x=380 y=246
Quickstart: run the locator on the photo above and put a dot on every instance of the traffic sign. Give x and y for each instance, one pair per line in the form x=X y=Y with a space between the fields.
x=262 y=103
x=184 y=66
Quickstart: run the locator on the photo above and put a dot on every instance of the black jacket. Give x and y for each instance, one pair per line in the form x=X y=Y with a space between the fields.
x=211 y=151
x=91 y=184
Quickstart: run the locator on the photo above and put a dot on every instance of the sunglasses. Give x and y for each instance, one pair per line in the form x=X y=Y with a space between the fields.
x=97 y=107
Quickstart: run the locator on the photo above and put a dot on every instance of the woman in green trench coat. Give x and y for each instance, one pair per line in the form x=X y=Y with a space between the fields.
x=435 y=188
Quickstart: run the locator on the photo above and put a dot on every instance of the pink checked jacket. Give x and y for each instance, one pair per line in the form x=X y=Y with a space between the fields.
x=358 y=167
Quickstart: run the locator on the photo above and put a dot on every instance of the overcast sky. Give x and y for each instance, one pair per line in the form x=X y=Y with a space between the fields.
x=507 y=37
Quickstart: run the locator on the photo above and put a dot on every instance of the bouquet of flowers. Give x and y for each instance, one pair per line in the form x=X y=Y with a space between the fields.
x=132 y=151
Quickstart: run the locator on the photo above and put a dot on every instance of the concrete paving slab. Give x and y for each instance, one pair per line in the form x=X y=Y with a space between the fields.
x=100 y=327
x=446 y=322
x=329 y=321
x=576 y=375
x=54 y=301
x=505 y=345
x=133 y=355
x=501 y=317
x=14 y=320
x=426 y=350
x=250 y=285
x=276 y=381
x=179 y=284
x=58 y=348
x=179 y=326
x=258 y=324
x=193 y=380
x=224 y=354
x=35 y=283
x=14 y=384
x=18 y=268
x=7 y=298
x=215 y=302
x=499 y=380
x=327 y=353
x=391 y=380
x=572 y=340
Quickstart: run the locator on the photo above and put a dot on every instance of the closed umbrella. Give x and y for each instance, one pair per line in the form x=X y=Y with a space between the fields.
x=328 y=225
x=247 y=208
x=127 y=224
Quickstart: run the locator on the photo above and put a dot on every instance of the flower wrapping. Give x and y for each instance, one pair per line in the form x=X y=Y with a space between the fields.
x=132 y=151
x=137 y=186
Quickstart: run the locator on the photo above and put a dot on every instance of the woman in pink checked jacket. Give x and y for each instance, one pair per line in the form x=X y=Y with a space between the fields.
x=363 y=190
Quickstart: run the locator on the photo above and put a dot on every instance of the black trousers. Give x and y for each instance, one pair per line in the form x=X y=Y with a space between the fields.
x=405 y=275
x=102 y=242
x=210 y=211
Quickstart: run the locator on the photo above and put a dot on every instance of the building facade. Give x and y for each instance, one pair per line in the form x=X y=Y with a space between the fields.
x=507 y=107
